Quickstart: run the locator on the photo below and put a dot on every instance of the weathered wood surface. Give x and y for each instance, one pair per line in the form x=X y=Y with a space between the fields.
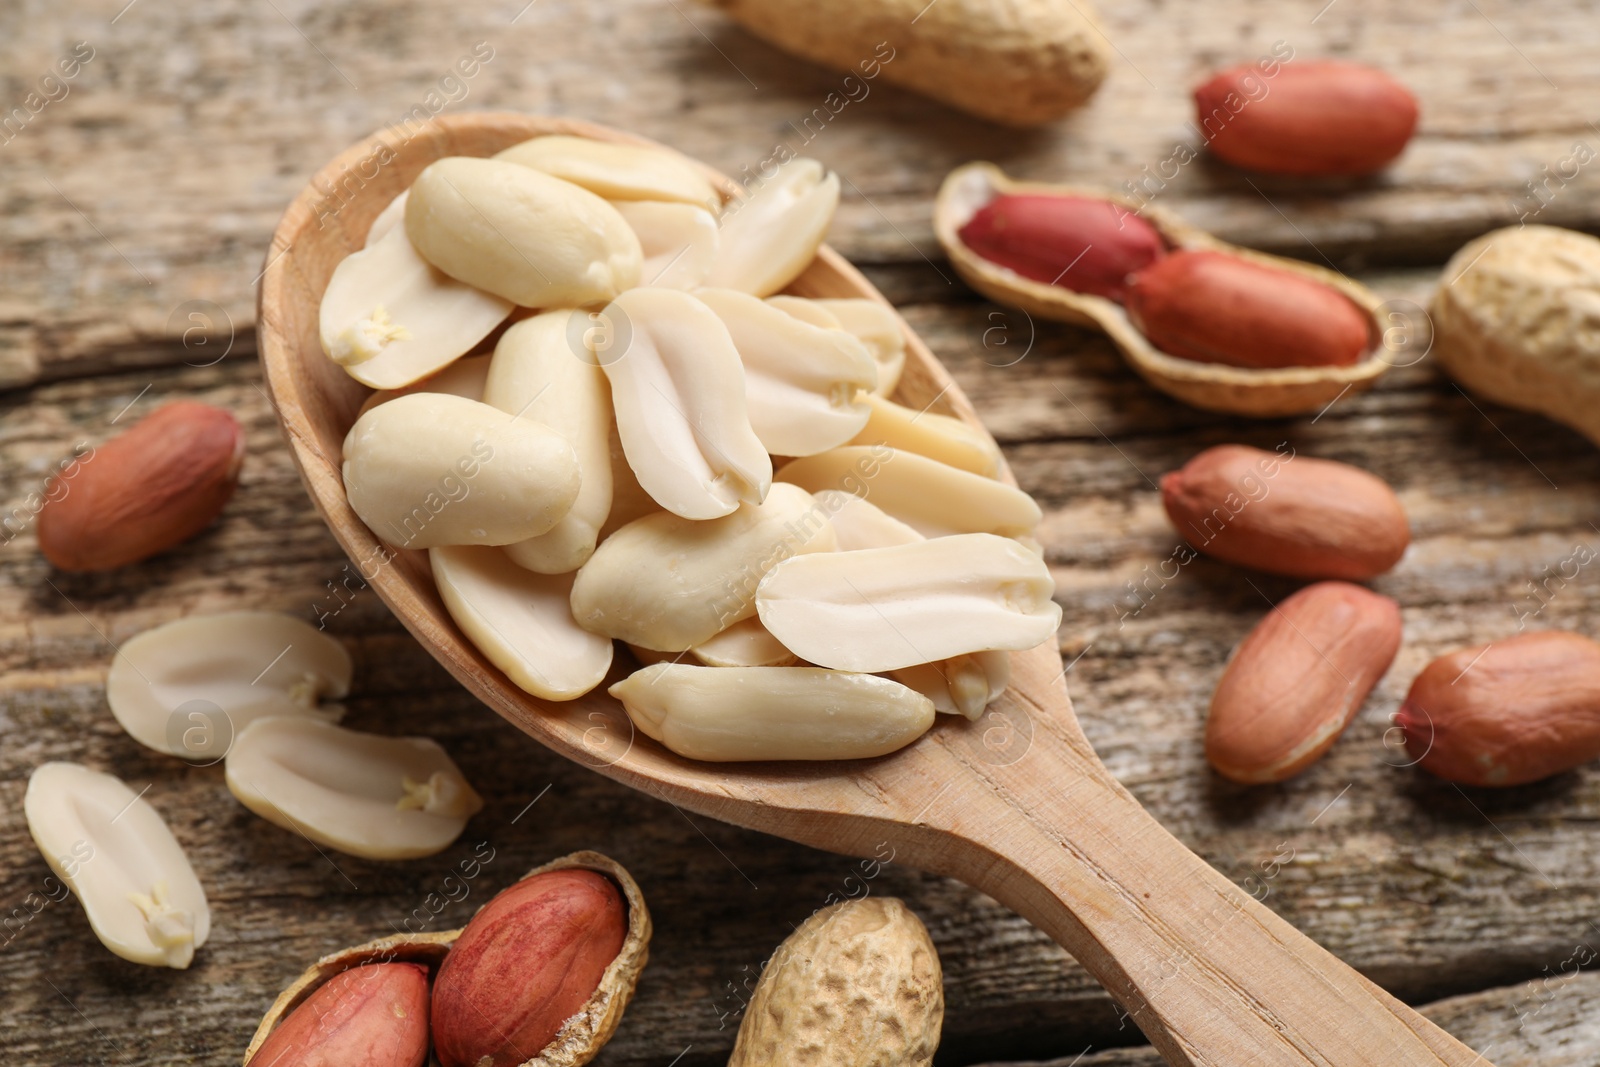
x=185 y=135
x=156 y=181
x=1549 y=1022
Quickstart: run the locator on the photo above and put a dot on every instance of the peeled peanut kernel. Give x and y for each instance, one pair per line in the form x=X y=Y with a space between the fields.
x=933 y=498
x=669 y=583
x=394 y=214
x=806 y=310
x=860 y=524
x=629 y=501
x=744 y=644
x=389 y=318
x=617 y=171
x=877 y=326
x=679 y=241
x=940 y=437
x=772 y=713
x=431 y=469
x=516 y=232
x=543 y=372
x=801 y=382
x=465 y=377
x=383 y=798
x=677 y=388
x=772 y=235
x=113 y=851
x=880 y=609
x=373 y=1015
x=521 y=621
x=961 y=685
x=189 y=686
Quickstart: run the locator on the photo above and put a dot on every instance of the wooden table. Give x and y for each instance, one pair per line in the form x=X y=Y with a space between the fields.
x=136 y=212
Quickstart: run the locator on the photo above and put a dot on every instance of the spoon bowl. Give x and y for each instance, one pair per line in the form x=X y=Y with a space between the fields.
x=1015 y=804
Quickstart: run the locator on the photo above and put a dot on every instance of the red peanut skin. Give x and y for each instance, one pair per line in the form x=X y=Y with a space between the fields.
x=494 y=999
x=1318 y=118
x=1303 y=517
x=1212 y=307
x=1525 y=709
x=146 y=491
x=375 y=1015
x=1297 y=680
x=1079 y=243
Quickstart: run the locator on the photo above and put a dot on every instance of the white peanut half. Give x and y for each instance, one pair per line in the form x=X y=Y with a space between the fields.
x=880 y=609
x=774 y=234
x=669 y=583
x=961 y=685
x=115 y=853
x=465 y=377
x=801 y=381
x=521 y=621
x=744 y=644
x=431 y=469
x=677 y=389
x=933 y=498
x=629 y=501
x=878 y=327
x=543 y=371
x=393 y=214
x=772 y=713
x=940 y=437
x=858 y=523
x=517 y=232
x=385 y=798
x=189 y=686
x=679 y=241
x=806 y=310
x=389 y=318
x=617 y=171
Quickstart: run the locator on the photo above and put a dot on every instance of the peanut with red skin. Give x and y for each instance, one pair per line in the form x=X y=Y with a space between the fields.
x=1303 y=517
x=375 y=1015
x=1324 y=117
x=1212 y=307
x=145 y=491
x=1297 y=679
x=528 y=961
x=1509 y=713
x=1079 y=243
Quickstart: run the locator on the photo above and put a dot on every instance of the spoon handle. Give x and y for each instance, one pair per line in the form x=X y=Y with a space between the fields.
x=1205 y=970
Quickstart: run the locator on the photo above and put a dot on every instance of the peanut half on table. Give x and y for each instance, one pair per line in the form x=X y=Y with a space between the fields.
x=664 y=450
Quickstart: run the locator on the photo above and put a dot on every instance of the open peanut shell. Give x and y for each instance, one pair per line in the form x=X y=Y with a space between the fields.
x=580 y=1038
x=1263 y=393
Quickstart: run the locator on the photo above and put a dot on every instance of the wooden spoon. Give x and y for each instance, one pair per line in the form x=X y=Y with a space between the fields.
x=1016 y=804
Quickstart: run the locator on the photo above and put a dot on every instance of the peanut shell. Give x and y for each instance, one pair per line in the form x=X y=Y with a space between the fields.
x=579 y=1039
x=1517 y=320
x=1213 y=386
x=857 y=985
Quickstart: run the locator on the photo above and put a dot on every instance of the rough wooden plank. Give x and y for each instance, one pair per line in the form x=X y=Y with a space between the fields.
x=147 y=194
x=1553 y=1021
